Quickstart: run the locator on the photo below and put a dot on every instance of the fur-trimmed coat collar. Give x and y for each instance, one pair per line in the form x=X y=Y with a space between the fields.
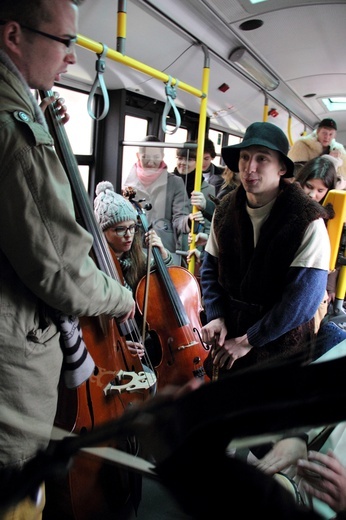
x=308 y=147
x=257 y=276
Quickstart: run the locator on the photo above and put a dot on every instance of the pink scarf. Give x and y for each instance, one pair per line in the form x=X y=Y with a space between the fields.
x=147 y=176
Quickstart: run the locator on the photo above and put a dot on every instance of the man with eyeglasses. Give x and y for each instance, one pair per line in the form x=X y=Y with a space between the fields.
x=44 y=253
x=68 y=42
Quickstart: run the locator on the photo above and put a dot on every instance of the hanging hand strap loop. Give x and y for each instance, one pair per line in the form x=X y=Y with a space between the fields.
x=171 y=95
x=99 y=81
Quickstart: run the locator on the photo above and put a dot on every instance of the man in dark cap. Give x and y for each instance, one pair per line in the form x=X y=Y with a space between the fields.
x=320 y=142
x=266 y=261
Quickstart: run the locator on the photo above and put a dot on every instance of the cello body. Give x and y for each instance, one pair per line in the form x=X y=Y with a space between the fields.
x=182 y=351
x=94 y=488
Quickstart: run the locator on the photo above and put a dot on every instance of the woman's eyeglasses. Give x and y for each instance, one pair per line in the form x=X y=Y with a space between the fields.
x=122 y=230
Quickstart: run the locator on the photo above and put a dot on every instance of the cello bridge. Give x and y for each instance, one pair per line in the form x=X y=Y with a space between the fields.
x=128 y=382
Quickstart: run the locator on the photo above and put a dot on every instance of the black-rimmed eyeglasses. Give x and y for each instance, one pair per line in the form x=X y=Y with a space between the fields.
x=122 y=230
x=68 y=42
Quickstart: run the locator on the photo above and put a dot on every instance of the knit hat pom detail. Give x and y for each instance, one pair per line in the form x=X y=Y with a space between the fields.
x=110 y=208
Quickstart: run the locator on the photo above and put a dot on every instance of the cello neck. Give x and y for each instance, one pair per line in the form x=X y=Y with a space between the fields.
x=68 y=160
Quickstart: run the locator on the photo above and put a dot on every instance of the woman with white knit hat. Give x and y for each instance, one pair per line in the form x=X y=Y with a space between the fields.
x=119 y=223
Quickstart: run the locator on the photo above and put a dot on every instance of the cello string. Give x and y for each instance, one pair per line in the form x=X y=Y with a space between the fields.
x=136 y=337
x=135 y=334
x=131 y=330
x=146 y=292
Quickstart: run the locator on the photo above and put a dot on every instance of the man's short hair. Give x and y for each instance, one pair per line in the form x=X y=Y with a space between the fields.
x=209 y=148
x=29 y=12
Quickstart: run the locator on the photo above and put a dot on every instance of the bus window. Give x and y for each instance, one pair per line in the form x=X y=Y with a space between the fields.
x=84 y=171
x=180 y=136
x=79 y=129
x=80 y=126
x=216 y=137
x=136 y=129
x=234 y=139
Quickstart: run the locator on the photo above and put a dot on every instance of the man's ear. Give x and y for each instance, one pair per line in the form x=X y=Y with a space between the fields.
x=12 y=36
x=283 y=169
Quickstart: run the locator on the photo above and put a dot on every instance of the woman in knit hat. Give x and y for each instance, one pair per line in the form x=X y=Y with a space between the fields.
x=118 y=220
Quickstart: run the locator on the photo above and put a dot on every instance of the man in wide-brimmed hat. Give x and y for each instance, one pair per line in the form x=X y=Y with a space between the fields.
x=266 y=261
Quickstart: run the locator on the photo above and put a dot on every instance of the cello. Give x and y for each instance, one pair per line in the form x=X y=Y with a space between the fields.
x=94 y=489
x=173 y=316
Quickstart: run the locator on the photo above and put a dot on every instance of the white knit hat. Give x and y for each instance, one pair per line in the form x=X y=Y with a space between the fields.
x=111 y=208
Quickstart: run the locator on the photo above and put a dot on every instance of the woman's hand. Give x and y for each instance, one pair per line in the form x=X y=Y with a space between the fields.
x=197 y=217
x=136 y=349
x=153 y=240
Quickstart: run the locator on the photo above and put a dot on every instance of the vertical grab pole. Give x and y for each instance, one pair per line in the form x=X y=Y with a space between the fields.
x=121 y=26
x=200 y=141
x=265 y=108
x=289 y=129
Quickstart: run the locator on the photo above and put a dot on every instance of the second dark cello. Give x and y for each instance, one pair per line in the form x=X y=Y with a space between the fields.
x=172 y=317
x=94 y=489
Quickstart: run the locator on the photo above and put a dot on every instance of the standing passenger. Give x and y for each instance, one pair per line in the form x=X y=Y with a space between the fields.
x=163 y=191
x=266 y=261
x=321 y=141
x=186 y=170
x=211 y=173
x=317 y=177
x=44 y=254
x=230 y=182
